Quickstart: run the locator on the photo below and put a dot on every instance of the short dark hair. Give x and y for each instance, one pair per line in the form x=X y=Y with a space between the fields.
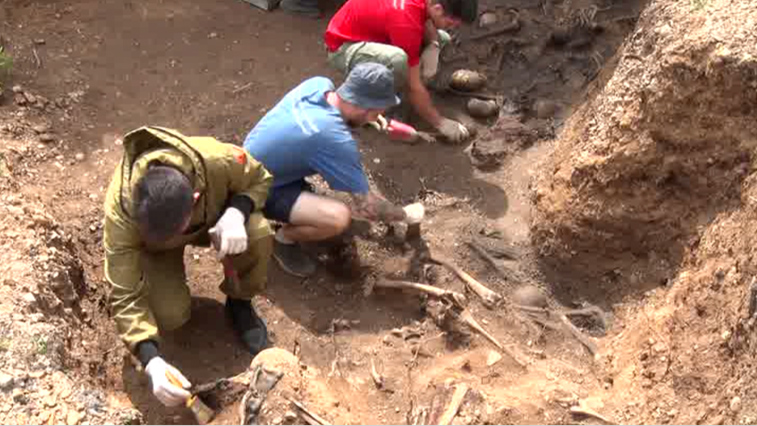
x=163 y=199
x=466 y=10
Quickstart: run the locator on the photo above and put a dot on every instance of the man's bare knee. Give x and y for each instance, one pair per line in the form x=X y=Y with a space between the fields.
x=324 y=216
x=340 y=217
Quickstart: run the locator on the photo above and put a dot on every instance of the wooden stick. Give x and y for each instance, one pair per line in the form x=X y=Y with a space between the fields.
x=585 y=411
x=504 y=273
x=457 y=298
x=489 y=297
x=241 y=88
x=471 y=322
x=454 y=404
x=316 y=419
x=588 y=344
x=37 y=61
x=512 y=26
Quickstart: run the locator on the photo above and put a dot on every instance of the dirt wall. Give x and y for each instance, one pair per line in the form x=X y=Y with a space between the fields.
x=660 y=150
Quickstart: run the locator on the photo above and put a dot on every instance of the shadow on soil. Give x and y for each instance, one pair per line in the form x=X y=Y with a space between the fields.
x=204 y=349
x=403 y=172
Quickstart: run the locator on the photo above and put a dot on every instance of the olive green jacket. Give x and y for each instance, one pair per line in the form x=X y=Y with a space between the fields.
x=217 y=172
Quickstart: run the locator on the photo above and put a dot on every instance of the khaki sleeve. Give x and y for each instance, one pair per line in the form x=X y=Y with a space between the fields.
x=249 y=178
x=129 y=291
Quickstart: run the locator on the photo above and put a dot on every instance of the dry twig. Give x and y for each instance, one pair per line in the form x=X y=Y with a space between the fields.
x=37 y=60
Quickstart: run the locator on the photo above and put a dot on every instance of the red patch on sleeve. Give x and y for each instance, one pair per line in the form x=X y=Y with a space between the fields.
x=241 y=158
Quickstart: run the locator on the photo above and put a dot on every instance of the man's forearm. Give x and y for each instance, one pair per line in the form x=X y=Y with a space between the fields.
x=376 y=208
x=430 y=33
x=421 y=101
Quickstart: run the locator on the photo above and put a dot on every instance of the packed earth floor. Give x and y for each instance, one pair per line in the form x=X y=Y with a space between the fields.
x=641 y=248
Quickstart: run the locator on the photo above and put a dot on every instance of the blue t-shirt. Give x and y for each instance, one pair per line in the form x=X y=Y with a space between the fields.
x=304 y=135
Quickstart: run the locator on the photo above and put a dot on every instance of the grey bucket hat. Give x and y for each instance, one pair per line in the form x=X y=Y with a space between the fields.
x=370 y=86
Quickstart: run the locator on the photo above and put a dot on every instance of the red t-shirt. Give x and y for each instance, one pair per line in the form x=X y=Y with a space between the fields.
x=400 y=23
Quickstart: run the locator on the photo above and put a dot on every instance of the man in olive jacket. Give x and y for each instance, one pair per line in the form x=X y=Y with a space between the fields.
x=168 y=191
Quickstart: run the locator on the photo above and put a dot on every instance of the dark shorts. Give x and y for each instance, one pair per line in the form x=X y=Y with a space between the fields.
x=281 y=200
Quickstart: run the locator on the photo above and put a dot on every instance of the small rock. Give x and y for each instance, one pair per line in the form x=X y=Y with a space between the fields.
x=30 y=98
x=29 y=298
x=79 y=156
x=479 y=108
x=545 y=108
x=18 y=396
x=529 y=295
x=18 y=89
x=41 y=128
x=19 y=99
x=659 y=347
x=493 y=358
x=73 y=417
x=39 y=41
x=46 y=137
x=290 y=416
x=50 y=401
x=487 y=19
x=37 y=374
x=213 y=35
x=735 y=404
x=44 y=417
x=277 y=421
x=6 y=381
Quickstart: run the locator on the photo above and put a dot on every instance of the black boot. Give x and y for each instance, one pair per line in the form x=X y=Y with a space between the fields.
x=248 y=325
x=293 y=260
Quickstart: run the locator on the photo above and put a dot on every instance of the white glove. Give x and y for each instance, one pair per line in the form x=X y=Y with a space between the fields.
x=166 y=392
x=430 y=61
x=230 y=232
x=381 y=124
x=453 y=130
x=414 y=213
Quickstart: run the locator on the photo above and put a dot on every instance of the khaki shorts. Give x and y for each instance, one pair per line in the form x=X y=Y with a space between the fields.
x=351 y=54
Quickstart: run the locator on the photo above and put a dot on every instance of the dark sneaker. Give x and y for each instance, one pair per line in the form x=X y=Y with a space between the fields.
x=308 y=8
x=293 y=260
x=247 y=324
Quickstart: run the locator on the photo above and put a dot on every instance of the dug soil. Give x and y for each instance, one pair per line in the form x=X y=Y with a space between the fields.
x=85 y=72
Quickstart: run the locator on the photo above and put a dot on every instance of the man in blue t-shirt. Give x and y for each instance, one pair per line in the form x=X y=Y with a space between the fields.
x=308 y=133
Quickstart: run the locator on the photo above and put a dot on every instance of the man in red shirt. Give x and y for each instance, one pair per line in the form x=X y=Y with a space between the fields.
x=404 y=35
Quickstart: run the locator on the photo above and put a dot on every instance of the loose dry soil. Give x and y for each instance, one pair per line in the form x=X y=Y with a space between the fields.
x=619 y=172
